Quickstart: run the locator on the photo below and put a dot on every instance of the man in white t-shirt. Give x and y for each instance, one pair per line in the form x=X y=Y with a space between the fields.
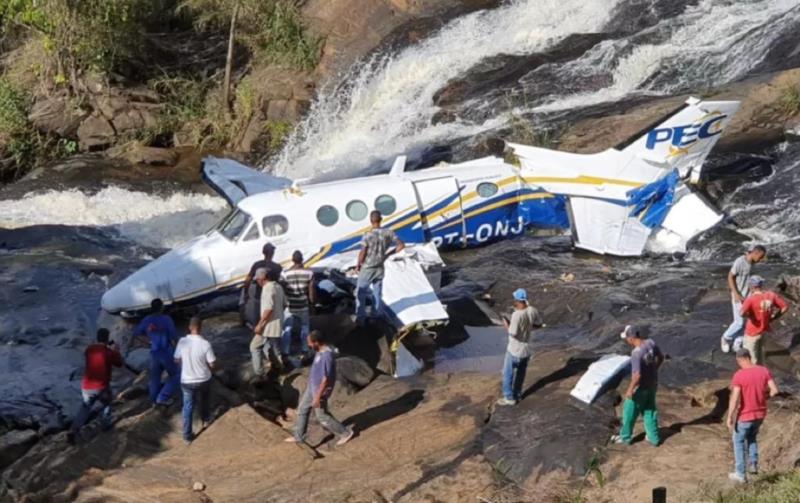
x=196 y=359
x=519 y=350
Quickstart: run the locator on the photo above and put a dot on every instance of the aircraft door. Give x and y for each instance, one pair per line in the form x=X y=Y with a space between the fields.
x=442 y=218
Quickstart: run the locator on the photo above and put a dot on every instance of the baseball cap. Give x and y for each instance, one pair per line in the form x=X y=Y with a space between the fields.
x=757 y=281
x=630 y=331
x=520 y=295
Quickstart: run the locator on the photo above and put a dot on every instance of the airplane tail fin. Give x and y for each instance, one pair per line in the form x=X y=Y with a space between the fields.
x=683 y=139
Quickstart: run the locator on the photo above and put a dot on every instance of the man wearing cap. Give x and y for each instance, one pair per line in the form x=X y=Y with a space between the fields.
x=518 y=352
x=249 y=310
x=759 y=309
x=268 y=330
x=738 y=278
x=640 y=397
x=746 y=411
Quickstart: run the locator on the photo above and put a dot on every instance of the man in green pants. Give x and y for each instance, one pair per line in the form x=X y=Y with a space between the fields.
x=640 y=397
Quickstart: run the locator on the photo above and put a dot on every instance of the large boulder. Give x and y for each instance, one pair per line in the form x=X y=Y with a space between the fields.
x=56 y=116
x=96 y=132
x=14 y=444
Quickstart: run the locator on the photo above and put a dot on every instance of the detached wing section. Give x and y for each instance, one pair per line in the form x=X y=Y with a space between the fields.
x=235 y=181
x=625 y=199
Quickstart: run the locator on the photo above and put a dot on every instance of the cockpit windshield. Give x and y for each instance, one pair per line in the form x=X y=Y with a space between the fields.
x=234 y=224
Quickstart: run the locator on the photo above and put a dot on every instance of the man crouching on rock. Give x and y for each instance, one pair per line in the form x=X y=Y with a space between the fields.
x=321 y=379
x=640 y=397
x=518 y=352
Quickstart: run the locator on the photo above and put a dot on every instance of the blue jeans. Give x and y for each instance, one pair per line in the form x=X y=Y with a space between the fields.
x=514 y=369
x=323 y=416
x=368 y=284
x=161 y=362
x=90 y=397
x=300 y=322
x=745 y=437
x=193 y=393
x=736 y=328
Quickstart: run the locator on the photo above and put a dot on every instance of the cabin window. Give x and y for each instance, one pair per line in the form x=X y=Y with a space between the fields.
x=487 y=189
x=233 y=226
x=385 y=204
x=252 y=234
x=275 y=225
x=327 y=215
x=356 y=210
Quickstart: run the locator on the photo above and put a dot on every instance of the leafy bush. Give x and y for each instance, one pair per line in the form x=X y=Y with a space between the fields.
x=790 y=100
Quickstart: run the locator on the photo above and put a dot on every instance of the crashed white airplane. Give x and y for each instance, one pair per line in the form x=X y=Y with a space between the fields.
x=613 y=202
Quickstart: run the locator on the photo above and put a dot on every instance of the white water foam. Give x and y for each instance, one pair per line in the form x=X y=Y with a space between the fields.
x=147 y=219
x=387 y=106
x=711 y=43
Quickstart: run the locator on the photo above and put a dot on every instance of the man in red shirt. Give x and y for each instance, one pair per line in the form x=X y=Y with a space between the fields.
x=747 y=410
x=759 y=308
x=100 y=357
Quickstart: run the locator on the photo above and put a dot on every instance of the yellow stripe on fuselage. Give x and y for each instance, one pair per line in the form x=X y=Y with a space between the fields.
x=582 y=180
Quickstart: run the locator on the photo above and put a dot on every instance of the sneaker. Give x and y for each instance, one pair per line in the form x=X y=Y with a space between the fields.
x=616 y=439
x=187 y=441
x=506 y=401
x=654 y=444
x=738 y=344
x=347 y=437
x=753 y=470
x=165 y=403
x=725 y=345
x=291 y=440
x=735 y=477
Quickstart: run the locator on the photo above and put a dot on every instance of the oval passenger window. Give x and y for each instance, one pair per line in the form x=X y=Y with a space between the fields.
x=487 y=189
x=275 y=225
x=327 y=215
x=385 y=204
x=356 y=210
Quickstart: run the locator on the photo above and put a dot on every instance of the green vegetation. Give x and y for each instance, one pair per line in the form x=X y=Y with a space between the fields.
x=789 y=102
x=770 y=488
x=524 y=131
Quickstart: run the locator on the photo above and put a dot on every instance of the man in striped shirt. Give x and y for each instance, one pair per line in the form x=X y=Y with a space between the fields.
x=298 y=284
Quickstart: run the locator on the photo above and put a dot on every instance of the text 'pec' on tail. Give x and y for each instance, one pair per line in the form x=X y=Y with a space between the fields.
x=684 y=139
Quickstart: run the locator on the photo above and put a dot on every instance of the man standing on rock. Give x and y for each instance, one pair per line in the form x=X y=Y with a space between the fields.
x=759 y=309
x=738 y=278
x=375 y=249
x=159 y=330
x=96 y=384
x=518 y=352
x=321 y=380
x=746 y=412
x=300 y=294
x=196 y=358
x=248 y=304
x=268 y=330
x=640 y=397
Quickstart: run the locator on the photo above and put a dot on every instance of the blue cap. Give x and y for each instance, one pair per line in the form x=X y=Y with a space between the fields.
x=521 y=295
x=756 y=281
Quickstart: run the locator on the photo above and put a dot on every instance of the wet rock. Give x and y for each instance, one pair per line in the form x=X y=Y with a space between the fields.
x=14 y=444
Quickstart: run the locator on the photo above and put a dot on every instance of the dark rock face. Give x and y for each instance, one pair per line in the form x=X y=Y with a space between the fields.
x=14 y=444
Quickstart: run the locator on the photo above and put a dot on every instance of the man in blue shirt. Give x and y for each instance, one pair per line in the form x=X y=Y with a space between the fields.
x=321 y=379
x=159 y=330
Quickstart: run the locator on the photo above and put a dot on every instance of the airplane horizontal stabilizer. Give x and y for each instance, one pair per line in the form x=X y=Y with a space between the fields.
x=235 y=181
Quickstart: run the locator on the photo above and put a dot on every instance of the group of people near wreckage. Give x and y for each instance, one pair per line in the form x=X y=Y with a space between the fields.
x=754 y=308
x=284 y=300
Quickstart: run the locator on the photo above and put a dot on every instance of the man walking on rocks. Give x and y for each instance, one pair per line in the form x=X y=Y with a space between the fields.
x=738 y=278
x=759 y=309
x=96 y=384
x=268 y=330
x=196 y=358
x=374 y=251
x=321 y=380
x=746 y=412
x=518 y=352
x=159 y=330
x=640 y=397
